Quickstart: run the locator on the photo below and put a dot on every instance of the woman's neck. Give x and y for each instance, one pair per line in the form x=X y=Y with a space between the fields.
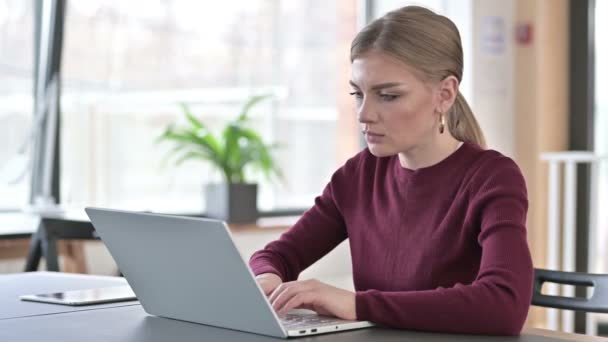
x=431 y=153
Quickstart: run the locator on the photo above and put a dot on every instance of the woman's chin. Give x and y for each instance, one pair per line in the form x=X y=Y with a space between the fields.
x=379 y=150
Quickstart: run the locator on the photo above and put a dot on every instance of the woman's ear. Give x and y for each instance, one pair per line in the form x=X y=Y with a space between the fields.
x=448 y=90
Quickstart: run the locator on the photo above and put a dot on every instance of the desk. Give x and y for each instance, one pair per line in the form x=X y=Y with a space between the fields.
x=17 y=225
x=73 y=225
x=132 y=324
x=47 y=229
x=14 y=285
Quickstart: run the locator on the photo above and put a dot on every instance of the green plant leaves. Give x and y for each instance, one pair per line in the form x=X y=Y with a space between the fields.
x=249 y=104
x=237 y=147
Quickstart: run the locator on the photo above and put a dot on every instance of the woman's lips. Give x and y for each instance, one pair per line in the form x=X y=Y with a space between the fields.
x=373 y=138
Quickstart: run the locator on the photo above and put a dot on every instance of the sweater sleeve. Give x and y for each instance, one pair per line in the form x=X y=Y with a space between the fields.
x=497 y=301
x=316 y=233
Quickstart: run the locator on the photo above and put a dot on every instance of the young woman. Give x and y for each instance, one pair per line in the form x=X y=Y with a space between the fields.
x=436 y=223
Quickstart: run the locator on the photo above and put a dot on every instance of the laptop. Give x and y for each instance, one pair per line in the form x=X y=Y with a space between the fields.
x=189 y=269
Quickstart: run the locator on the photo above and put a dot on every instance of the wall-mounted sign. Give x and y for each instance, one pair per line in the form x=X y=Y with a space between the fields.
x=493 y=35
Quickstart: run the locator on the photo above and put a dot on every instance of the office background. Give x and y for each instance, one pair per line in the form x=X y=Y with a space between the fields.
x=535 y=73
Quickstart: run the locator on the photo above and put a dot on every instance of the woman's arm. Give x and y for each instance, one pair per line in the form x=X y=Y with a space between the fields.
x=317 y=232
x=497 y=301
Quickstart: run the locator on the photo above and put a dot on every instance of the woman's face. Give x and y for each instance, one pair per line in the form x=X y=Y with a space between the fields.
x=397 y=110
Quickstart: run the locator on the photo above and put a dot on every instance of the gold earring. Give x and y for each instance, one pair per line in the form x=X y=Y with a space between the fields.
x=441 y=123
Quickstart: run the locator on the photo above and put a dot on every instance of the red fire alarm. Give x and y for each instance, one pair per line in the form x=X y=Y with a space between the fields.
x=523 y=33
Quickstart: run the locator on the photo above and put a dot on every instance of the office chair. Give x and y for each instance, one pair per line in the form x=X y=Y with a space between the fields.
x=597 y=303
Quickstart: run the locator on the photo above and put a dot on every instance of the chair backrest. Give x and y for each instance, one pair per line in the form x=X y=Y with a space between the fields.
x=597 y=303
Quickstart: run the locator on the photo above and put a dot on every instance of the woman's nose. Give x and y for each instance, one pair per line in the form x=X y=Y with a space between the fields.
x=365 y=113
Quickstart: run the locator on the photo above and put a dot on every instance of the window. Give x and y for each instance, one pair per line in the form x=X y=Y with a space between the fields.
x=601 y=127
x=127 y=65
x=16 y=75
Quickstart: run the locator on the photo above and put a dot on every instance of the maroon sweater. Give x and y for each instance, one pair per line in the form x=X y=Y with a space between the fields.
x=441 y=248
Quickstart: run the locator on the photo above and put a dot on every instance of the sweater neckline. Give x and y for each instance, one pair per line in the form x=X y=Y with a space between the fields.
x=445 y=166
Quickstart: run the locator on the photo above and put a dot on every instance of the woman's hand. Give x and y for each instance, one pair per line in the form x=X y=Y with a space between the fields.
x=268 y=282
x=314 y=295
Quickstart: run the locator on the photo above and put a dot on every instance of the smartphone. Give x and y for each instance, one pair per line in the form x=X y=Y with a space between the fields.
x=85 y=297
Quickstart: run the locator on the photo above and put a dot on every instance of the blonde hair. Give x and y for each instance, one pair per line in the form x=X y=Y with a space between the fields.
x=430 y=43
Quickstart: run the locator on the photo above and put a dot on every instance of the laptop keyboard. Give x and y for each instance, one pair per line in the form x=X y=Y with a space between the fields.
x=294 y=321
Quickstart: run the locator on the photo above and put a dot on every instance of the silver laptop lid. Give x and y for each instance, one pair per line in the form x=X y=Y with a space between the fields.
x=187 y=269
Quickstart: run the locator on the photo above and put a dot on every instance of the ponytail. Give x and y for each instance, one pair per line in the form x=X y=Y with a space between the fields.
x=462 y=123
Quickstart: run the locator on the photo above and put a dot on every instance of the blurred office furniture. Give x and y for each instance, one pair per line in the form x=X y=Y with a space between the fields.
x=561 y=237
x=51 y=232
x=598 y=284
x=16 y=230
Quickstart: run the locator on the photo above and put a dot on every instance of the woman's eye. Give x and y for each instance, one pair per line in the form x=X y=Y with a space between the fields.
x=388 y=97
x=357 y=94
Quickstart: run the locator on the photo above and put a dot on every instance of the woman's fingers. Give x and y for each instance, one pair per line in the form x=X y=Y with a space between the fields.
x=285 y=295
x=285 y=287
x=287 y=291
x=277 y=291
x=302 y=299
x=312 y=294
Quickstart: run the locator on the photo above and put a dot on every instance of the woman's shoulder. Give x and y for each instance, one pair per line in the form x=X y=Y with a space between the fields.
x=491 y=161
x=491 y=166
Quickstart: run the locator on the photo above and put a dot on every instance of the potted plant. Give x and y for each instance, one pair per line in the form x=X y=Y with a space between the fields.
x=237 y=147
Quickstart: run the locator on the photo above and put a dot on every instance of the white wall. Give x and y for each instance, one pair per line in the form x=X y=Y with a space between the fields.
x=494 y=68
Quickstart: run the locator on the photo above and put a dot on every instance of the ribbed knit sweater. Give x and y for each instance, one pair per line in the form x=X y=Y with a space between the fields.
x=441 y=248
